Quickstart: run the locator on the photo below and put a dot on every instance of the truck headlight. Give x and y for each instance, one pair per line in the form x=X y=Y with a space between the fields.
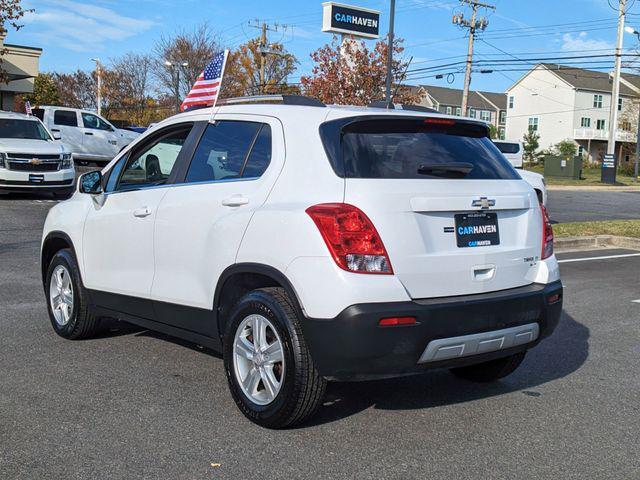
x=3 y=160
x=67 y=161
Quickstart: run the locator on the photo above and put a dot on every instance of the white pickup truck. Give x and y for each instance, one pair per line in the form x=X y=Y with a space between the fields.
x=87 y=135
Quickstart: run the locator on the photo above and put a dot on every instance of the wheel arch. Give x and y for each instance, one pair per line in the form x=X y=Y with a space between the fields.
x=53 y=243
x=241 y=278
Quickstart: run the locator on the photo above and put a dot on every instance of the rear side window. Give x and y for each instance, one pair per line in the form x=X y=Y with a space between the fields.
x=507 y=147
x=415 y=148
x=65 y=117
x=229 y=150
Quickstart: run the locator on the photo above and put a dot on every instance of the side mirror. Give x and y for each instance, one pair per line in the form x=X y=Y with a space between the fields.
x=57 y=136
x=91 y=183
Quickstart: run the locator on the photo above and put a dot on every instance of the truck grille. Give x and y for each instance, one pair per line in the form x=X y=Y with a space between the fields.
x=34 y=167
x=25 y=162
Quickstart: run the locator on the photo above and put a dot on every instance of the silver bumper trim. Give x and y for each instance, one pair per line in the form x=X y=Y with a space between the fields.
x=478 y=343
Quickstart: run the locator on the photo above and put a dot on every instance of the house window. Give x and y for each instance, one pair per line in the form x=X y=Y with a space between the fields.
x=502 y=133
x=619 y=104
x=503 y=116
x=485 y=115
x=511 y=101
x=600 y=125
x=585 y=122
x=581 y=151
x=448 y=110
x=472 y=113
x=458 y=111
x=626 y=125
x=597 y=101
x=533 y=124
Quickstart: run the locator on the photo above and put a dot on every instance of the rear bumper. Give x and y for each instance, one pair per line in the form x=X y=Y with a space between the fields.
x=448 y=333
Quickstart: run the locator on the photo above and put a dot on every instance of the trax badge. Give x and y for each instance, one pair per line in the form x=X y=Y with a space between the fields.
x=483 y=202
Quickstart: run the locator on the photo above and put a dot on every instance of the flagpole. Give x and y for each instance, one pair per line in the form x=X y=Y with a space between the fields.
x=224 y=65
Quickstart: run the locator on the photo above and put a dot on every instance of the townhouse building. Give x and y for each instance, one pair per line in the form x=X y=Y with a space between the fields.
x=21 y=66
x=562 y=102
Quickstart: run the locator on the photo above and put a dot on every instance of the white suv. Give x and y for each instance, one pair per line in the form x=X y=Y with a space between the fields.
x=310 y=243
x=31 y=159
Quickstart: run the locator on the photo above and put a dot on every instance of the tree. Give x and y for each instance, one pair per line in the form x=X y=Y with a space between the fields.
x=350 y=73
x=566 y=148
x=242 y=73
x=196 y=48
x=531 y=144
x=45 y=92
x=77 y=89
x=11 y=12
x=493 y=132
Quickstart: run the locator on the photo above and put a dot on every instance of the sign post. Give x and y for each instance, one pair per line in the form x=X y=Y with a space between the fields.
x=609 y=164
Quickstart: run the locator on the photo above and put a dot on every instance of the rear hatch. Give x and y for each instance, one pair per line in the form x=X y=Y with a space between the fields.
x=453 y=214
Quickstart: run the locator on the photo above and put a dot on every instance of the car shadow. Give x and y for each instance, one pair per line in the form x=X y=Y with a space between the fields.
x=564 y=352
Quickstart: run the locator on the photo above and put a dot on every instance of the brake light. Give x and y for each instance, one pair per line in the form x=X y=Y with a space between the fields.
x=547 y=234
x=439 y=121
x=397 y=321
x=352 y=239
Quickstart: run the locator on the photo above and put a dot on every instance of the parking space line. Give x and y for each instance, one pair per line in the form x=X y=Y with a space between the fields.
x=607 y=257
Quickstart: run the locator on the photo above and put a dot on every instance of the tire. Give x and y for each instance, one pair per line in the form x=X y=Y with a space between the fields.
x=79 y=323
x=300 y=388
x=490 y=371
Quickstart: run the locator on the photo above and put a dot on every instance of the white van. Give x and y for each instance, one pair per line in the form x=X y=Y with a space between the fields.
x=512 y=150
x=87 y=135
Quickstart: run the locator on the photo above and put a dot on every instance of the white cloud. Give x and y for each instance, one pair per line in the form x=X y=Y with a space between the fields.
x=81 y=27
x=582 y=42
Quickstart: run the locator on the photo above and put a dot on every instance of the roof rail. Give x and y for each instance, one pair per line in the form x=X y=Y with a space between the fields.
x=283 y=99
x=392 y=106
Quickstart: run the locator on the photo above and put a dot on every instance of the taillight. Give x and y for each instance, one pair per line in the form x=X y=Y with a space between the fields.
x=352 y=239
x=547 y=234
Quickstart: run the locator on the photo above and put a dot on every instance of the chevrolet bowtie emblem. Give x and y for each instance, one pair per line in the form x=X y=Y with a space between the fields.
x=483 y=203
x=35 y=161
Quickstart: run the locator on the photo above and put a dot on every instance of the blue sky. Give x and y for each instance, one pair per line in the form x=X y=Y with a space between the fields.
x=71 y=32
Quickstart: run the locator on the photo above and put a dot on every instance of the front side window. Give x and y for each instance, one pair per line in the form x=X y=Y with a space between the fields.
x=93 y=121
x=153 y=163
x=533 y=124
x=23 y=129
x=597 y=101
x=66 y=118
x=231 y=149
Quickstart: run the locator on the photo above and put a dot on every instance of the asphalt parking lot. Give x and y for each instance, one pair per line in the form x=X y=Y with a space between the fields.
x=136 y=404
x=590 y=205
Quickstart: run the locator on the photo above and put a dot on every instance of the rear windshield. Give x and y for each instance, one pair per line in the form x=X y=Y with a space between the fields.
x=506 y=147
x=413 y=148
x=25 y=129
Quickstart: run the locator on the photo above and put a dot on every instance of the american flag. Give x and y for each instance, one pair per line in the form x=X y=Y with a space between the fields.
x=205 y=91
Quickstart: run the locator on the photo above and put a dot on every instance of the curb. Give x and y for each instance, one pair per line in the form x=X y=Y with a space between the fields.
x=566 y=244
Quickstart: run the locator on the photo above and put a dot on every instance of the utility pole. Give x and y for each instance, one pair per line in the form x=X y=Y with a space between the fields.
x=615 y=88
x=99 y=75
x=264 y=50
x=472 y=25
x=392 y=10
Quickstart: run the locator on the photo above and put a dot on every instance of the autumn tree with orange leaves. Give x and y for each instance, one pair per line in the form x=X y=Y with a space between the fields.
x=349 y=73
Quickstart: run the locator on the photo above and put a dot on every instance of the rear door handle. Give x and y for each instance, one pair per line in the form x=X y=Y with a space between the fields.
x=235 y=201
x=88 y=133
x=142 y=212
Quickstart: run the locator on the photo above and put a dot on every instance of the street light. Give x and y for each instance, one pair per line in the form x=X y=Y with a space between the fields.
x=633 y=31
x=99 y=74
x=175 y=74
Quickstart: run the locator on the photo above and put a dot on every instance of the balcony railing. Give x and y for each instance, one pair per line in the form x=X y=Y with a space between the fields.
x=594 y=134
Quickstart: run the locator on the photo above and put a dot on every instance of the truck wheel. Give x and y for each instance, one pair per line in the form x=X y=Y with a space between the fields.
x=490 y=371
x=67 y=300
x=269 y=368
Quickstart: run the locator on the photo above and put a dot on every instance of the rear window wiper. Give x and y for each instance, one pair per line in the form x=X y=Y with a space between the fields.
x=445 y=170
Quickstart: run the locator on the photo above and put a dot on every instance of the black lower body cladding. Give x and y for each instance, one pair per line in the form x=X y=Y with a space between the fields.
x=354 y=346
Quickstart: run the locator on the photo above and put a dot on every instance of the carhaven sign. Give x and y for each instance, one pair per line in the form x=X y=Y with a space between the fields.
x=350 y=20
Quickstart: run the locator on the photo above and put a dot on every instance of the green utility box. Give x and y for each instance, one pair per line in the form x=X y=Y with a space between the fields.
x=563 y=166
